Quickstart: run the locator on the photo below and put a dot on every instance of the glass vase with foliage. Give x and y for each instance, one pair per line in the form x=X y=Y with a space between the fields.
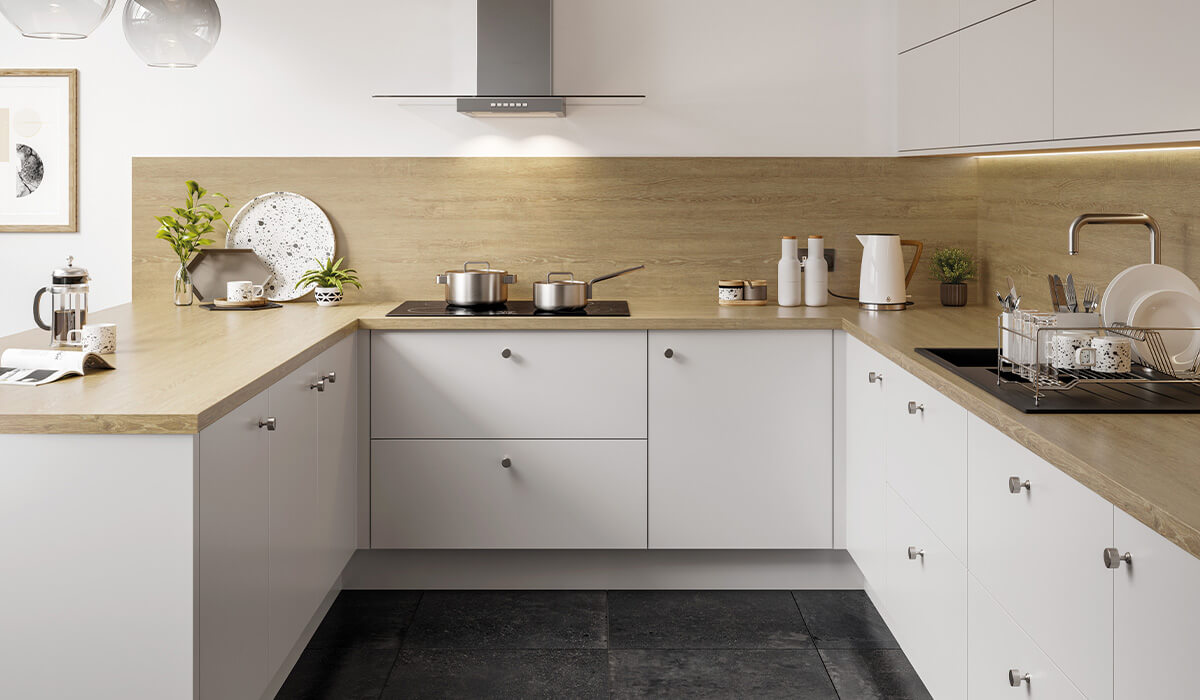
x=953 y=267
x=186 y=230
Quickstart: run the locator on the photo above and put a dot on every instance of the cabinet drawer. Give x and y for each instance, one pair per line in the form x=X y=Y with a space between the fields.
x=1039 y=553
x=927 y=455
x=926 y=600
x=549 y=384
x=996 y=646
x=557 y=494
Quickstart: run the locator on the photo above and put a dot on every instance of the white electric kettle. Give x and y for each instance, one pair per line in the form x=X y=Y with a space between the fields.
x=882 y=283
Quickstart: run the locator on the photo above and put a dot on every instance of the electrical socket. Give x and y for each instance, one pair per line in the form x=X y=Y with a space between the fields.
x=830 y=256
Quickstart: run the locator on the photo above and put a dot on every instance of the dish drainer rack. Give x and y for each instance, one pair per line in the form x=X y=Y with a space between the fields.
x=1025 y=348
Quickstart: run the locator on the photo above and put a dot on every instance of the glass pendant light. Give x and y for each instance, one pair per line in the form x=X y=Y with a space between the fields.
x=56 y=19
x=172 y=33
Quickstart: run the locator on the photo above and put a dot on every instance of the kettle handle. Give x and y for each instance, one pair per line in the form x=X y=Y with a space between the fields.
x=37 y=312
x=912 y=269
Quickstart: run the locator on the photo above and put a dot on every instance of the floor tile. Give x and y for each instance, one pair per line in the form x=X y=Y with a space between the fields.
x=762 y=674
x=844 y=620
x=705 y=620
x=523 y=673
x=869 y=674
x=509 y=620
x=374 y=619
x=338 y=674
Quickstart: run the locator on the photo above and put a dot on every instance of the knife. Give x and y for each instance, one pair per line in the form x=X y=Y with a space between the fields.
x=1060 y=296
x=1053 y=292
x=1072 y=300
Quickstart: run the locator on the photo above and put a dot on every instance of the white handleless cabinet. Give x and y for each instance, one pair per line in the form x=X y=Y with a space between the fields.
x=928 y=99
x=741 y=439
x=1038 y=551
x=337 y=470
x=866 y=373
x=919 y=21
x=973 y=11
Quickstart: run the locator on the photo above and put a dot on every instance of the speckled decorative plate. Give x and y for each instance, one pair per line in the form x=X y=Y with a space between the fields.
x=287 y=231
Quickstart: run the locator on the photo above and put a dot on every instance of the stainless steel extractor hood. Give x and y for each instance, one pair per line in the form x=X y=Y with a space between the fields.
x=515 y=66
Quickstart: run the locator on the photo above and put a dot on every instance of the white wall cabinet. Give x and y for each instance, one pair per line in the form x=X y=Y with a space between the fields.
x=919 y=21
x=741 y=439
x=974 y=11
x=928 y=100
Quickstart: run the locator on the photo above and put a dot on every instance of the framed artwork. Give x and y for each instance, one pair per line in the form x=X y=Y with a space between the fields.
x=39 y=159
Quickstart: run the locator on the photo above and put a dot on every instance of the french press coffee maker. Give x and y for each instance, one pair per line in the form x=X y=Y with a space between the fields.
x=69 y=301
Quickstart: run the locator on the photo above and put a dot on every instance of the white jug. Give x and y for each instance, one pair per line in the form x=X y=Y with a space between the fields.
x=882 y=282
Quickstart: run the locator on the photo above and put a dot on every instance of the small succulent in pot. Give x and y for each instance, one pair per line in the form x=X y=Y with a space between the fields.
x=953 y=267
x=330 y=278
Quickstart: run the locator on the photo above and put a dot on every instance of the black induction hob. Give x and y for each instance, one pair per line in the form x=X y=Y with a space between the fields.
x=512 y=308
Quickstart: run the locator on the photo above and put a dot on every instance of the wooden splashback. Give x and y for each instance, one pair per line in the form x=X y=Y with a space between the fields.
x=691 y=221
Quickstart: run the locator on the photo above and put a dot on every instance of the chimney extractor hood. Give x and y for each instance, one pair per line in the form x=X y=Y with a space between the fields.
x=515 y=64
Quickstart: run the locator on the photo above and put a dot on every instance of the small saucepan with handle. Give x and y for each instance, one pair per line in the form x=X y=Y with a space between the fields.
x=564 y=295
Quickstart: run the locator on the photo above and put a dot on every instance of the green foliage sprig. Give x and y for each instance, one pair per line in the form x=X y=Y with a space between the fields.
x=330 y=274
x=187 y=228
x=952 y=266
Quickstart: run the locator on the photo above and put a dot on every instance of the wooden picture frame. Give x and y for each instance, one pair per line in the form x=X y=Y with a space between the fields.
x=39 y=180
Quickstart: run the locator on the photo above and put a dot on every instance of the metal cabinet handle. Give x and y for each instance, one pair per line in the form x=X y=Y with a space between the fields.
x=669 y=353
x=269 y=424
x=1113 y=558
x=319 y=385
x=1016 y=678
x=1015 y=484
x=506 y=463
x=913 y=407
x=874 y=377
x=506 y=353
x=913 y=553
x=331 y=377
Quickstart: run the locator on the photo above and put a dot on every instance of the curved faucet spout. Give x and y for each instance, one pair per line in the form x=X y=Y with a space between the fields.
x=1143 y=219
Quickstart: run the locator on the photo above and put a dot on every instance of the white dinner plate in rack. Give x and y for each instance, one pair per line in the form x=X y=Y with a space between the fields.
x=1132 y=283
x=289 y=232
x=1169 y=309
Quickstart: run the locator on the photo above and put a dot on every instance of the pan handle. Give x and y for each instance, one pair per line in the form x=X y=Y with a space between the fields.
x=569 y=274
x=486 y=265
x=610 y=276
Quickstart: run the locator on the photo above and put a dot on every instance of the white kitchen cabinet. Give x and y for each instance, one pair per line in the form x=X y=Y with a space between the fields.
x=1157 y=615
x=1006 y=77
x=1038 y=552
x=554 y=494
x=337 y=462
x=866 y=373
x=927 y=456
x=1000 y=654
x=1124 y=67
x=508 y=384
x=928 y=100
x=973 y=11
x=925 y=598
x=232 y=575
x=919 y=21
x=741 y=439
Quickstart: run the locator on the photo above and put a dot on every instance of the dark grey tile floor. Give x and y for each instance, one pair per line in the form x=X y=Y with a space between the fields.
x=597 y=644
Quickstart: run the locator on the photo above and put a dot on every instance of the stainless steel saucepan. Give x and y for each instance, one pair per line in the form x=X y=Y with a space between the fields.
x=568 y=294
x=474 y=287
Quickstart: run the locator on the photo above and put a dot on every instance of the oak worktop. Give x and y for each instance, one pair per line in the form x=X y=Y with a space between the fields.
x=180 y=369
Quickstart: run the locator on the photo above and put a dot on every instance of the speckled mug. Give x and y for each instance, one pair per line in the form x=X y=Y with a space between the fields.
x=1114 y=354
x=1065 y=350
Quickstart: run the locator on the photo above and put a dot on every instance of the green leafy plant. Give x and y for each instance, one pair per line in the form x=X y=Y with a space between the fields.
x=952 y=266
x=186 y=228
x=330 y=274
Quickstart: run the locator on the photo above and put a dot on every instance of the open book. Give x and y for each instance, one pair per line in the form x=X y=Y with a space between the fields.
x=36 y=367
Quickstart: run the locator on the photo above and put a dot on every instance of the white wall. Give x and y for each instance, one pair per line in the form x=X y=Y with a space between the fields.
x=294 y=77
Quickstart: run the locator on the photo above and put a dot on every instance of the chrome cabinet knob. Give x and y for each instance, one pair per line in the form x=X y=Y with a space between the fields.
x=319 y=385
x=268 y=423
x=1113 y=558
x=506 y=353
x=913 y=407
x=913 y=553
x=331 y=377
x=1016 y=678
x=1015 y=484
x=874 y=377
x=669 y=353
x=506 y=463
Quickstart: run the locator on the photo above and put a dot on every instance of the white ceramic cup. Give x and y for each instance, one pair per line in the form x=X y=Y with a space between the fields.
x=1114 y=354
x=244 y=290
x=100 y=338
x=1065 y=351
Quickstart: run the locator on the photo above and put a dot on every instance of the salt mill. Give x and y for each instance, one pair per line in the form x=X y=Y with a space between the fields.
x=69 y=303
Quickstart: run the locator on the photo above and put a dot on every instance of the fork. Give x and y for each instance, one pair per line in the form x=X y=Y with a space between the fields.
x=1090 y=301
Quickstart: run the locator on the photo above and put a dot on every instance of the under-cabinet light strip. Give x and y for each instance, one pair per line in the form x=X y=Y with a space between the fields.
x=1034 y=154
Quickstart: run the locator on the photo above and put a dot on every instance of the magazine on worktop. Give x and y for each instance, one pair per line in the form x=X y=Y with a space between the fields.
x=37 y=367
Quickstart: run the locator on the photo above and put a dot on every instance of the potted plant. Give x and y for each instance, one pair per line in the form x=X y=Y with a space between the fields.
x=330 y=278
x=186 y=230
x=953 y=267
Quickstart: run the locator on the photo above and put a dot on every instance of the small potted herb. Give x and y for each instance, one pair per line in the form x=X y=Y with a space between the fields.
x=953 y=267
x=330 y=278
x=186 y=229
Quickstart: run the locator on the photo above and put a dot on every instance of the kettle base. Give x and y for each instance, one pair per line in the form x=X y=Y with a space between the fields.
x=872 y=306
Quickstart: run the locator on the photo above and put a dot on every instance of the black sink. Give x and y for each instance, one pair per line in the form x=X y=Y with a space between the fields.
x=978 y=366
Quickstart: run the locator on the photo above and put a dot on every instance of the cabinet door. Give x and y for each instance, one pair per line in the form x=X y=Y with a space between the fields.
x=972 y=11
x=928 y=96
x=1124 y=67
x=296 y=584
x=865 y=444
x=337 y=465
x=919 y=21
x=1038 y=552
x=232 y=570
x=741 y=439
x=1007 y=77
x=1157 y=615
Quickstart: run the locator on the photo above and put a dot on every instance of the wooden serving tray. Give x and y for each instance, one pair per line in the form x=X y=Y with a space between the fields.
x=223 y=303
x=742 y=302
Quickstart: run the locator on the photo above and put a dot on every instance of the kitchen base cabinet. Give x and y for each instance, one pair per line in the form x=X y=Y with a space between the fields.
x=519 y=494
x=866 y=373
x=337 y=462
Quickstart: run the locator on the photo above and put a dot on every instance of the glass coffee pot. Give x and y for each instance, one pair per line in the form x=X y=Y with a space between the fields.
x=69 y=302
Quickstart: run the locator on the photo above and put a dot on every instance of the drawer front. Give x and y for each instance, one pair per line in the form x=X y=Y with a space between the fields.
x=996 y=645
x=1039 y=553
x=927 y=455
x=926 y=600
x=556 y=494
x=549 y=384
x=865 y=455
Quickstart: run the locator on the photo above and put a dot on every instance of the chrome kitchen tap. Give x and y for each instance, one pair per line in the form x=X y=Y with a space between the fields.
x=1143 y=219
